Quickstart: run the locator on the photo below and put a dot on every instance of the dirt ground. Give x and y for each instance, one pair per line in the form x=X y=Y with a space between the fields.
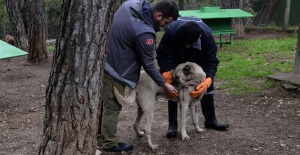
x=264 y=124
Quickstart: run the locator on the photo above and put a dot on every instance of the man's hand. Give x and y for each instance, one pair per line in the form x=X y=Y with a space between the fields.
x=170 y=90
x=168 y=76
x=201 y=88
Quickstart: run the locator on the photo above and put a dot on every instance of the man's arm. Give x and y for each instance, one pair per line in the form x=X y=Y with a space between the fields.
x=145 y=50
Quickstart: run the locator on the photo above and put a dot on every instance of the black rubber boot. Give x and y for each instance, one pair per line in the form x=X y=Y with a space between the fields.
x=172 y=111
x=120 y=147
x=208 y=110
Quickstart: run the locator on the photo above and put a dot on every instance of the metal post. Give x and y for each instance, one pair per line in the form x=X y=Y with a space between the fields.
x=297 y=58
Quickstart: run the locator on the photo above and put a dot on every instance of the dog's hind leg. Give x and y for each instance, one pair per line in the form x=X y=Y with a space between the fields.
x=183 y=108
x=194 y=113
x=149 y=119
x=136 y=125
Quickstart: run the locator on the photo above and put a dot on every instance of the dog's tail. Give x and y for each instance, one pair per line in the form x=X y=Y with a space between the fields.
x=128 y=100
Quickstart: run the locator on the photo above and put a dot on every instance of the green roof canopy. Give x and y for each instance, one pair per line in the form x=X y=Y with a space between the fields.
x=215 y=12
x=9 y=51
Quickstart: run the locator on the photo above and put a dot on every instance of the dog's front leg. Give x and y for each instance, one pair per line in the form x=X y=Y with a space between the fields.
x=184 y=107
x=194 y=113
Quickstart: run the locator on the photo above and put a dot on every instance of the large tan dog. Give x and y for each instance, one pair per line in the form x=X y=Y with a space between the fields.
x=186 y=77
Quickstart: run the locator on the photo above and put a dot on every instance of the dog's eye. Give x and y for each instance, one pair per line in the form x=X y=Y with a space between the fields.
x=187 y=69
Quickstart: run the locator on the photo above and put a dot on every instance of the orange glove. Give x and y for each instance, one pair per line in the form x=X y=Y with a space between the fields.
x=173 y=95
x=201 y=88
x=168 y=76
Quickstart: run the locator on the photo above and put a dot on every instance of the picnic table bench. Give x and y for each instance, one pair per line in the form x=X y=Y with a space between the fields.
x=219 y=20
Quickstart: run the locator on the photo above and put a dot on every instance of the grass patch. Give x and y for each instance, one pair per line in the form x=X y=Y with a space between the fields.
x=270 y=28
x=246 y=64
x=51 y=48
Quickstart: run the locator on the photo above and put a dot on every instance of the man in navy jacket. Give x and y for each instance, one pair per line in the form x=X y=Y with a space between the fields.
x=190 y=39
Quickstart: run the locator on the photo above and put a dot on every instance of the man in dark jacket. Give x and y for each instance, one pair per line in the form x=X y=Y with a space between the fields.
x=190 y=39
x=131 y=46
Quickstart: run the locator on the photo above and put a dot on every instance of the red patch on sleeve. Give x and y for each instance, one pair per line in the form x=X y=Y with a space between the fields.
x=149 y=41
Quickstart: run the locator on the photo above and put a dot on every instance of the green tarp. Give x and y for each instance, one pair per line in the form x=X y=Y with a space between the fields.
x=9 y=51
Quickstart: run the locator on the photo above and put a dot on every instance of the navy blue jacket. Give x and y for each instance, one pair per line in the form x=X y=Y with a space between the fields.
x=171 y=52
x=131 y=44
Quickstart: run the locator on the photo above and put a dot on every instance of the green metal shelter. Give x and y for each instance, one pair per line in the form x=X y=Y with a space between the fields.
x=9 y=51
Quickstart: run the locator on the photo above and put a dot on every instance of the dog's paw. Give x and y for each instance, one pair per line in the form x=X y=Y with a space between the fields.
x=199 y=130
x=186 y=138
x=153 y=147
x=141 y=134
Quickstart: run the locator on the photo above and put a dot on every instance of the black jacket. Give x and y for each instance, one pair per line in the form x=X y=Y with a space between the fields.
x=171 y=52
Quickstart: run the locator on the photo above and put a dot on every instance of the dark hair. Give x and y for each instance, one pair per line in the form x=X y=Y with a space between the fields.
x=190 y=33
x=168 y=8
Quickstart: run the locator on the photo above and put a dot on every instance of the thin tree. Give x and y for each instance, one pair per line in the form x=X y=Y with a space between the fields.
x=73 y=94
x=297 y=57
x=213 y=2
x=287 y=14
x=264 y=16
x=181 y=4
x=241 y=4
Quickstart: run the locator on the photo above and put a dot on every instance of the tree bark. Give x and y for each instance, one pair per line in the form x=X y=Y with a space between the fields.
x=213 y=2
x=25 y=14
x=181 y=4
x=287 y=14
x=15 y=18
x=237 y=23
x=297 y=57
x=264 y=16
x=37 y=31
x=73 y=95
x=241 y=4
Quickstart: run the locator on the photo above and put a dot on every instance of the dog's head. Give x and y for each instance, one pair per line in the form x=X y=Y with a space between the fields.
x=186 y=72
x=10 y=39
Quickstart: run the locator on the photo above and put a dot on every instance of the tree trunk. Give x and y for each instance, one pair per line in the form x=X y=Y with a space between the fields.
x=237 y=23
x=73 y=95
x=181 y=4
x=264 y=16
x=187 y=7
x=287 y=14
x=213 y=2
x=15 y=18
x=241 y=4
x=37 y=31
x=25 y=14
x=297 y=57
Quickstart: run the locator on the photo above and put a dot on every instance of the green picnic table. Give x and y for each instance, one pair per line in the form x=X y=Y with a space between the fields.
x=9 y=51
x=219 y=20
